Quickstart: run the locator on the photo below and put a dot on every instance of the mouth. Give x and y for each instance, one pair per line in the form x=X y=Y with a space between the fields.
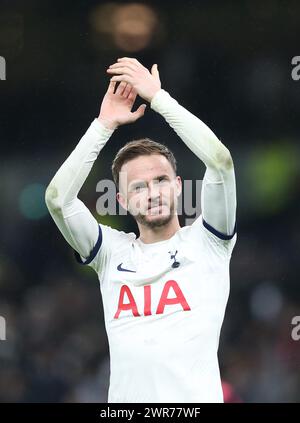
x=156 y=206
x=154 y=210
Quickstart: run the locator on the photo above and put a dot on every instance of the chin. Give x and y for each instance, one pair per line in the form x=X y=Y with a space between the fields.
x=154 y=221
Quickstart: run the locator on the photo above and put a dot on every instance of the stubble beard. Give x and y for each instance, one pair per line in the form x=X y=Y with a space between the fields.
x=156 y=223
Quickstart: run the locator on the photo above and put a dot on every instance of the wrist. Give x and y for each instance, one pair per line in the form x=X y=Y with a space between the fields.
x=107 y=123
x=154 y=94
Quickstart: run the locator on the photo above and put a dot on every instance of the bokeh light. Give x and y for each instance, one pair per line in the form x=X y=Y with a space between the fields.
x=131 y=27
x=31 y=201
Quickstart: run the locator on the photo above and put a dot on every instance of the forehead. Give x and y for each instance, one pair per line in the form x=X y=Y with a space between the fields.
x=146 y=167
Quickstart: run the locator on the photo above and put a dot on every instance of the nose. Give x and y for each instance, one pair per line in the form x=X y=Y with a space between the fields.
x=153 y=194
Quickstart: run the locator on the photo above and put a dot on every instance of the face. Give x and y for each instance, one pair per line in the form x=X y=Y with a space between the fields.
x=149 y=190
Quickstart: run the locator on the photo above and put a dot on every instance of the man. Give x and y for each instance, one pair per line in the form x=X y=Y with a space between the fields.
x=164 y=293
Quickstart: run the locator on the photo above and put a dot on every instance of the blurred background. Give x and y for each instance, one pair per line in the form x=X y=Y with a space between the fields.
x=227 y=62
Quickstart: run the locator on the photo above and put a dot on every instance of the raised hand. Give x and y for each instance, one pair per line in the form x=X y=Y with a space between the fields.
x=133 y=72
x=116 y=106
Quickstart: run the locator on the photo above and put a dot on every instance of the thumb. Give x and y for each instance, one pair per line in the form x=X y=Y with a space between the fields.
x=154 y=71
x=139 y=112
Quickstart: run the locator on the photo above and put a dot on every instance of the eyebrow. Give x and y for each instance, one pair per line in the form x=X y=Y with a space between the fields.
x=136 y=183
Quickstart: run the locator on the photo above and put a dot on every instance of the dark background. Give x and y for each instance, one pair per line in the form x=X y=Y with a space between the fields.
x=227 y=62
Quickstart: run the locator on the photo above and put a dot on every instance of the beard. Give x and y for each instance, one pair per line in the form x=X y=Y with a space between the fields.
x=158 y=222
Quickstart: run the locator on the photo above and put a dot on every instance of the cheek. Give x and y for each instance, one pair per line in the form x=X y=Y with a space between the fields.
x=168 y=192
x=137 y=201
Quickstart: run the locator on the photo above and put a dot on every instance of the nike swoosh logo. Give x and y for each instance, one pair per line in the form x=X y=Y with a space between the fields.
x=121 y=269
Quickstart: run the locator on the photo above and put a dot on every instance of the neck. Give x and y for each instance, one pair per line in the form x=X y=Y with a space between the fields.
x=162 y=233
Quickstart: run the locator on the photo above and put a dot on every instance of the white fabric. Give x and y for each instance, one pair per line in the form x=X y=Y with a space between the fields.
x=171 y=355
x=73 y=218
x=218 y=189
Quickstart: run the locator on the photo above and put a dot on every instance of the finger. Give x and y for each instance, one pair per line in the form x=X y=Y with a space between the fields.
x=139 y=112
x=130 y=59
x=129 y=65
x=132 y=95
x=124 y=78
x=154 y=71
x=121 y=88
x=111 y=87
x=127 y=91
x=119 y=70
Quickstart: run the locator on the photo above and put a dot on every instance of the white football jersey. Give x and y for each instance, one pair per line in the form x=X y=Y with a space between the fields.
x=164 y=305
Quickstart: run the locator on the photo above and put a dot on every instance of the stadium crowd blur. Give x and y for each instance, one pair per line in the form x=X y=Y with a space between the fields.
x=227 y=62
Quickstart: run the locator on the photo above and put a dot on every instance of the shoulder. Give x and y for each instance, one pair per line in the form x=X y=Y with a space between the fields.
x=110 y=241
x=201 y=234
x=113 y=238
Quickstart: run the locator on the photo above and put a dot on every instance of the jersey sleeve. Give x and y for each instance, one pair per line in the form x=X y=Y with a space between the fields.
x=217 y=227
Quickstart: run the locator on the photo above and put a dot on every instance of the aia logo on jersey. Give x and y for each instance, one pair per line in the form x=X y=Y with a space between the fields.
x=124 y=305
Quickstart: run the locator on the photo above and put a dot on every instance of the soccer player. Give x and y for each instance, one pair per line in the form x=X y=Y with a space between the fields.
x=165 y=292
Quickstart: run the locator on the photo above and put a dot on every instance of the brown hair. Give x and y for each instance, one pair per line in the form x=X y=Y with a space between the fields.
x=136 y=148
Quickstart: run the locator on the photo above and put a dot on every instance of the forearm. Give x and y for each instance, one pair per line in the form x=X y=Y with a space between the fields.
x=74 y=220
x=195 y=134
x=218 y=200
x=218 y=197
x=68 y=180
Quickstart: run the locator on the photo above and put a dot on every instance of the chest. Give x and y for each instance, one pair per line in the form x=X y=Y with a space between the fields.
x=188 y=286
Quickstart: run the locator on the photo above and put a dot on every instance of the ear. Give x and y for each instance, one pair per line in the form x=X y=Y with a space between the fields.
x=178 y=185
x=121 y=200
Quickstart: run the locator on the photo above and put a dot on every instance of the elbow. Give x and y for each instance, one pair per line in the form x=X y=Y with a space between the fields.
x=223 y=159
x=52 y=199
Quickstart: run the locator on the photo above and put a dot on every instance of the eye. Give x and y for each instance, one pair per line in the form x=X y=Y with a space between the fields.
x=138 y=188
x=162 y=179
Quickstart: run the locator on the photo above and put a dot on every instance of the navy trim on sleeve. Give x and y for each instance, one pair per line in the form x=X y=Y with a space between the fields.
x=217 y=233
x=93 y=252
